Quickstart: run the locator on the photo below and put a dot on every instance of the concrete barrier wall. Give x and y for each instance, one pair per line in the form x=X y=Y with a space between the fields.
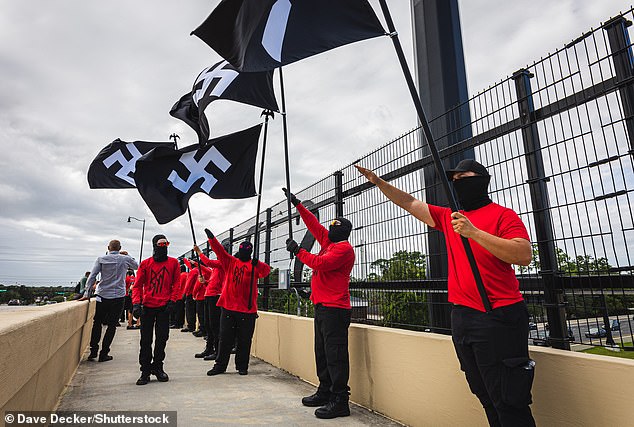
x=40 y=349
x=415 y=378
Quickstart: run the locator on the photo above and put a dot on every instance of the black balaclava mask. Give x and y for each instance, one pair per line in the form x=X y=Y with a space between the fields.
x=245 y=251
x=339 y=230
x=472 y=192
x=160 y=252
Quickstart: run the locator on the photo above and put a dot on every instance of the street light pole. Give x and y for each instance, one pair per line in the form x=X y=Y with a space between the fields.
x=142 y=234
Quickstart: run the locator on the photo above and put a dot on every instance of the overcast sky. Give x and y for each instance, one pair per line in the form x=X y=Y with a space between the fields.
x=75 y=75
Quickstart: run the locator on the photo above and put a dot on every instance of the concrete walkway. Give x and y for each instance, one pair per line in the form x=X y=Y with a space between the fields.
x=267 y=396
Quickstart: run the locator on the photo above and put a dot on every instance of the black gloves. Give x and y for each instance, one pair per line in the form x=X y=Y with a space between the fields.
x=294 y=200
x=254 y=262
x=292 y=246
x=169 y=307
x=137 y=310
x=209 y=234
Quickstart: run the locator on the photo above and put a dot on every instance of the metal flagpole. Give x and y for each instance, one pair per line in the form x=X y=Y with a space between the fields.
x=286 y=163
x=256 y=239
x=432 y=147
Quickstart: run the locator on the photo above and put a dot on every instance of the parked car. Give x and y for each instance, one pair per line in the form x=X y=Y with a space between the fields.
x=616 y=325
x=596 y=333
x=532 y=326
x=14 y=302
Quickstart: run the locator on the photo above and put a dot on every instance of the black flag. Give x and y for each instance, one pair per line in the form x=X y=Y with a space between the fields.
x=260 y=35
x=114 y=166
x=223 y=81
x=224 y=169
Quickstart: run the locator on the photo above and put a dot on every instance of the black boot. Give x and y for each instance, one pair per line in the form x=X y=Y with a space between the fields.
x=337 y=407
x=93 y=354
x=104 y=358
x=143 y=379
x=160 y=375
x=204 y=353
x=216 y=370
x=317 y=399
x=211 y=356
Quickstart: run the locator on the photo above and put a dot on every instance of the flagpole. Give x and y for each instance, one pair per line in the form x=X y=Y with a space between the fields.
x=432 y=147
x=286 y=163
x=175 y=137
x=256 y=239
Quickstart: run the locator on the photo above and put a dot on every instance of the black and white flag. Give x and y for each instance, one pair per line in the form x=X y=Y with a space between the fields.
x=114 y=166
x=260 y=35
x=223 y=169
x=223 y=81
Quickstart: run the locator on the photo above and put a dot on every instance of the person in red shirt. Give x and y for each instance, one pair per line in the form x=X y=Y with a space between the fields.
x=492 y=347
x=330 y=293
x=238 y=302
x=154 y=295
x=198 y=283
x=190 y=304
x=212 y=310
x=178 y=319
x=129 y=282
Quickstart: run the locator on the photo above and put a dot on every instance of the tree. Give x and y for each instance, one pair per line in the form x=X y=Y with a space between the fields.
x=403 y=265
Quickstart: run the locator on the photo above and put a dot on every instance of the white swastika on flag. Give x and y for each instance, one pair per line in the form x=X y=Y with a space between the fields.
x=226 y=78
x=273 y=36
x=197 y=170
x=127 y=166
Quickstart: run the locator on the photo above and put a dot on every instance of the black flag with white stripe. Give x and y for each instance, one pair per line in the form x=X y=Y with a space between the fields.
x=223 y=81
x=261 y=35
x=223 y=169
x=115 y=164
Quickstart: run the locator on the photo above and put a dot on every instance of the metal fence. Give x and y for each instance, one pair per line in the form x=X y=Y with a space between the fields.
x=558 y=140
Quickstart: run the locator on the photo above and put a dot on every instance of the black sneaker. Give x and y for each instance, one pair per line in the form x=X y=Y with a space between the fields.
x=211 y=356
x=186 y=330
x=198 y=333
x=216 y=370
x=104 y=358
x=160 y=375
x=333 y=409
x=243 y=372
x=143 y=379
x=93 y=355
x=317 y=399
x=201 y=355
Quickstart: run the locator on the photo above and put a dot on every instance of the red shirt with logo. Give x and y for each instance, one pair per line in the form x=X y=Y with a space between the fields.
x=240 y=278
x=157 y=282
x=498 y=277
x=330 y=283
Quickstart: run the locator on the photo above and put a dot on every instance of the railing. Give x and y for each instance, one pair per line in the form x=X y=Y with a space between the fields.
x=558 y=140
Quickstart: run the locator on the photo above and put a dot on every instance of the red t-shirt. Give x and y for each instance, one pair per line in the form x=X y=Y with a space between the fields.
x=331 y=266
x=129 y=281
x=498 y=277
x=183 y=283
x=238 y=280
x=216 y=278
x=198 y=287
x=157 y=282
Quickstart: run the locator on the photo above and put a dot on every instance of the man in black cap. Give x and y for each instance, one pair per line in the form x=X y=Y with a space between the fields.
x=330 y=293
x=492 y=347
x=154 y=295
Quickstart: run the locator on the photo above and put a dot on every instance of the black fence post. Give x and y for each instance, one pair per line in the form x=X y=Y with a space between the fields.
x=553 y=289
x=338 y=193
x=624 y=67
x=267 y=259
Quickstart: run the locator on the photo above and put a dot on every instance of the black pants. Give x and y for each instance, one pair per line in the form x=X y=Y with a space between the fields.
x=235 y=328
x=493 y=352
x=154 y=322
x=190 y=312
x=107 y=313
x=331 y=350
x=178 y=314
x=200 y=314
x=212 y=318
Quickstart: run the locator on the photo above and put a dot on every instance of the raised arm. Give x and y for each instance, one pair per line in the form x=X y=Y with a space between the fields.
x=417 y=208
x=211 y=263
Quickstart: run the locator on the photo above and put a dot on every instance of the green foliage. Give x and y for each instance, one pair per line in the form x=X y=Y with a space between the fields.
x=581 y=265
x=402 y=308
x=403 y=265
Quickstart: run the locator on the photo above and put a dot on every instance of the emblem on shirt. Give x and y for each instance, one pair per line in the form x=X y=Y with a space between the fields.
x=157 y=280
